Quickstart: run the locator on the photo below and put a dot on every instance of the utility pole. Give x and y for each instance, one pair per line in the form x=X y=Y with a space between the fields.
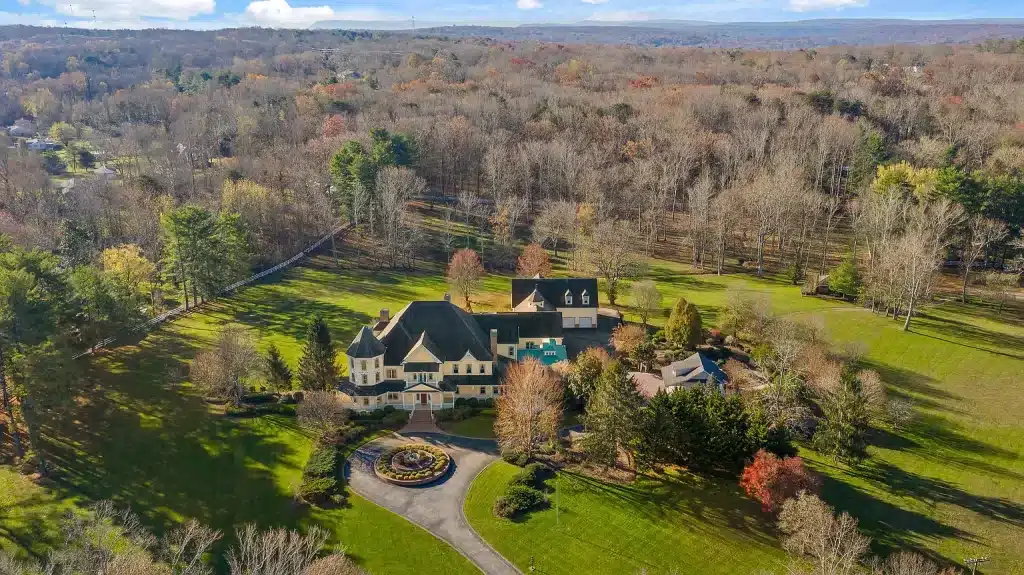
x=973 y=562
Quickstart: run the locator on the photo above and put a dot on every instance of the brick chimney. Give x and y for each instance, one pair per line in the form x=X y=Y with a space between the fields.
x=385 y=315
x=494 y=344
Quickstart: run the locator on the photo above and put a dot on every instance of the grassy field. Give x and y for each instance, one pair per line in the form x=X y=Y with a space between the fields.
x=678 y=524
x=952 y=485
x=141 y=438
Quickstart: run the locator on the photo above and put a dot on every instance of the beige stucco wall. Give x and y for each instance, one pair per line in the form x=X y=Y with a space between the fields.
x=578 y=312
x=448 y=368
x=372 y=368
x=474 y=391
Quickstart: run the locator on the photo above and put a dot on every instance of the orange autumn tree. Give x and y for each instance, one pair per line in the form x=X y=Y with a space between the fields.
x=464 y=275
x=529 y=410
x=534 y=261
x=770 y=480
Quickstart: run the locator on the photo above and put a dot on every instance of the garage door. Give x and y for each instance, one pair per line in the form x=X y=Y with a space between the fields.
x=586 y=322
x=568 y=322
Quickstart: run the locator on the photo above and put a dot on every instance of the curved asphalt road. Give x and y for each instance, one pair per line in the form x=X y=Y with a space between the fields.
x=436 y=507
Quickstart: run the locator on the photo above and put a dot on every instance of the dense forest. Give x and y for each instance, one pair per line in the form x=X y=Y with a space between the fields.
x=230 y=150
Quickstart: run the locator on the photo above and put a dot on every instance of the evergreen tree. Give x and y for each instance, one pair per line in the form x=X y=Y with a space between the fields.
x=684 y=326
x=845 y=279
x=317 y=370
x=613 y=417
x=74 y=246
x=279 y=375
x=870 y=154
x=842 y=432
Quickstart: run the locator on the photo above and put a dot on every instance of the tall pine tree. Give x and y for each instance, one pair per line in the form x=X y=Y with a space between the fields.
x=279 y=375
x=317 y=370
x=613 y=418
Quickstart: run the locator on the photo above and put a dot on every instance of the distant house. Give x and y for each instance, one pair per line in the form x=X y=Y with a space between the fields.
x=574 y=298
x=695 y=370
x=40 y=145
x=22 y=128
x=104 y=172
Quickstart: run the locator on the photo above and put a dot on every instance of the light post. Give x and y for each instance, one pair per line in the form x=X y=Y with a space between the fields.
x=973 y=562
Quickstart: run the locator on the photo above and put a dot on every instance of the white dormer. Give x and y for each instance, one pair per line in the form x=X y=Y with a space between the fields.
x=585 y=298
x=469 y=356
x=568 y=297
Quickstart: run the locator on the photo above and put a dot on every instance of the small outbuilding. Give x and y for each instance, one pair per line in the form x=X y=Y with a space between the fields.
x=698 y=369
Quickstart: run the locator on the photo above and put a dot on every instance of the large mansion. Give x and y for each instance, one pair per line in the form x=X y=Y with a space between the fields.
x=433 y=352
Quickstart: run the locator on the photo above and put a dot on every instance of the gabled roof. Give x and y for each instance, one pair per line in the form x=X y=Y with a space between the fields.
x=425 y=343
x=552 y=290
x=365 y=345
x=697 y=368
x=533 y=302
x=454 y=332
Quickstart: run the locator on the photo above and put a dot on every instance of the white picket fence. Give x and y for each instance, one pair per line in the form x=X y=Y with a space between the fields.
x=148 y=324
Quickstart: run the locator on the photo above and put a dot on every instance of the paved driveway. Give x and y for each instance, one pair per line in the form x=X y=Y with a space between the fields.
x=436 y=507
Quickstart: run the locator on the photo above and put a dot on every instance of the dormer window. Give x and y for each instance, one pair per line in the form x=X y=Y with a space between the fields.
x=568 y=297
x=585 y=298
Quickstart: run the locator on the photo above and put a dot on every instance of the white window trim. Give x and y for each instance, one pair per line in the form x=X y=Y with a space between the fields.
x=568 y=297
x=585 y=298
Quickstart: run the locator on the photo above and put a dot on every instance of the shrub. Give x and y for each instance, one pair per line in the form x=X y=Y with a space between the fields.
x=533 y=475
x=318 y=489
x=473 y=402
x=487 y=402
x=287 y=399
x=518 y=499
x=465 y=412
x=517 y=458
x=322 y=462
x=459 y=402
x=442 y=415
x=396 y=419
x=259 y=398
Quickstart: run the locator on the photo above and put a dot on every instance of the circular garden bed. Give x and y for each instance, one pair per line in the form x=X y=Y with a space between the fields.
x=412 y=464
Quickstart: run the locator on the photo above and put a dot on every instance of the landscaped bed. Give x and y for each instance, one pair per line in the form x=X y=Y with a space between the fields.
x=412 y=465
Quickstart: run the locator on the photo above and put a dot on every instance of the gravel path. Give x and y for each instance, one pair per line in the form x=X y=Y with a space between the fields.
x=436 y=507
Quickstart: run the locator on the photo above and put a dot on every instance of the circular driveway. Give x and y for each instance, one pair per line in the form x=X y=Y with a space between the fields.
x=436 y=507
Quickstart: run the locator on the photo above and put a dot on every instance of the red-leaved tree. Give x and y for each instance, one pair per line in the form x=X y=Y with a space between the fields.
x=334 y=125
x=534 y=261
x=770 y=480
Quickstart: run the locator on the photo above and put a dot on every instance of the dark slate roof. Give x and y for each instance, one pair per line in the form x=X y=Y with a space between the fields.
x=697 y=368
x=386 y=386
x=365 y=345
x=421 y=366
x=553 y=290
x=513 y=325
x=451 y=332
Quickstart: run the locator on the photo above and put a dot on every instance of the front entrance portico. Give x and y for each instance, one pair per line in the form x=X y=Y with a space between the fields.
x=426 y=396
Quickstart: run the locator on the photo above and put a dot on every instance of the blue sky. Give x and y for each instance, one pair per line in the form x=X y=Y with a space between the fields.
x=301 y=13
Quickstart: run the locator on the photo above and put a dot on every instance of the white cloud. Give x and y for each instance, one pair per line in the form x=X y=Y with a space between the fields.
x=595 y=1
x=811 y=5
x=132 y=10
x=280 y=14
x=619 y=16
x=528 y=4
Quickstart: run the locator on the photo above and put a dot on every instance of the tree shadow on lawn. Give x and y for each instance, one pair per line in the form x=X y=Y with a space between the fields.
x=711 y=502
x=141 y=439
x=677 y=279
x=959 y=333
x=890 y=528
x=291 y=316
x=30 y=527
x=939 y=441
x=921 y=389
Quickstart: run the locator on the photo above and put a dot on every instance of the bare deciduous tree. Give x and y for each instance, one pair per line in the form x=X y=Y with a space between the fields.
x=979 y=234
x=284 y=552
x=529 y=409
x=811 y=529
x=320 y=411
x=395 y=187
x=646 y=299
x=464 y=274
x=611 y=255
x=223 y=370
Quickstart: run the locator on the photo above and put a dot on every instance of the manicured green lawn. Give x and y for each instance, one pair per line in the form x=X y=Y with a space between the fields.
x=143 y=439
x=952 y=484
x=680 y=524
x=480 y=425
